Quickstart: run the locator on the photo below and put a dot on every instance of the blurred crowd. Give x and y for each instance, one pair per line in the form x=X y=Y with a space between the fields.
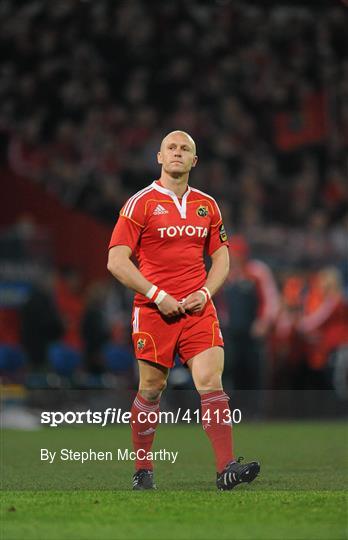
x=88 y=90
x=76 y=332
x=289 y=330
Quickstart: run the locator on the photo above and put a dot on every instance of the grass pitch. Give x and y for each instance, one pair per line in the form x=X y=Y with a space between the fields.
x=298 y=495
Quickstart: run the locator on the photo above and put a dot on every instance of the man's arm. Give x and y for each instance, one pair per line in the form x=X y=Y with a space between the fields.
x=216 y=276
x=125 y=271
x=219 y=270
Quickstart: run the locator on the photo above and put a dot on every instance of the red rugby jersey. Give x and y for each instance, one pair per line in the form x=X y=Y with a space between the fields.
x=168 y=236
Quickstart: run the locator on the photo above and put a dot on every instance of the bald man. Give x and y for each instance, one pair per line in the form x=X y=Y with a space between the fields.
x=168 y=226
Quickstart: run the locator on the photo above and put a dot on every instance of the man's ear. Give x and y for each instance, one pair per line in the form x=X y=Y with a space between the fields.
x=159 y=158
x=194 y=162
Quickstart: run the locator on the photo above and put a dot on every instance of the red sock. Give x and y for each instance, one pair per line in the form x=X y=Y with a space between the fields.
x=219 y=428
x=143 y=430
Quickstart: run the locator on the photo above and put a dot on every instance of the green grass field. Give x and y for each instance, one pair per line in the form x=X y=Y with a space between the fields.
x=300 y=493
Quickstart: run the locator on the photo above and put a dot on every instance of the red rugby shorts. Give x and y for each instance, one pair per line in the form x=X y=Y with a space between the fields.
x=158 y=339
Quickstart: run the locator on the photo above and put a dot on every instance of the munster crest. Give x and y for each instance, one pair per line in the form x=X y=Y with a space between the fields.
x=202 y=211
x=141 y=344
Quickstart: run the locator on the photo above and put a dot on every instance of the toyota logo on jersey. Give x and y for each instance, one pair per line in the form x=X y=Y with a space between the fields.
x=188 y=230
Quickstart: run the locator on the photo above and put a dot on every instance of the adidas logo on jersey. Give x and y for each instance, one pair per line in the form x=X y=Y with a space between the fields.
x=159 y=210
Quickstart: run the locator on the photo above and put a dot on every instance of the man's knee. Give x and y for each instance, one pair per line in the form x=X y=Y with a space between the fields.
x=152 y=388
x=209 y=382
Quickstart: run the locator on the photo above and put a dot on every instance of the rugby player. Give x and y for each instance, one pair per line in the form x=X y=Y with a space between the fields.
x=168 y=226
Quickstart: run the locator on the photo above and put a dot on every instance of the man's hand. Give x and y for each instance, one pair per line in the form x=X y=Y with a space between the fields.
x=195 y=302
x=169 y=307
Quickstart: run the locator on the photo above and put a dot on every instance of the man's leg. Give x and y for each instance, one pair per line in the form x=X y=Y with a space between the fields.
x=206 y=369
x=152 y=382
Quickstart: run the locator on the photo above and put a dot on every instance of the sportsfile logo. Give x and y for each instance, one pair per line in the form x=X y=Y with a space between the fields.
x=118 y=416
x=188 y=230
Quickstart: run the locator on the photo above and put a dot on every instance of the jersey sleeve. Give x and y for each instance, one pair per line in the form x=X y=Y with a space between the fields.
x=217 y=236
x=129 y=226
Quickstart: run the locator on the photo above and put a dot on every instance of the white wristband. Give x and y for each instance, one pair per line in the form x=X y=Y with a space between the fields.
x=160 y=297
x=151 y=292
x=205 y=289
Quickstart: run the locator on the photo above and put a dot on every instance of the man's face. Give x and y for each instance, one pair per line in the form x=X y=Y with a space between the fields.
x=177 y=154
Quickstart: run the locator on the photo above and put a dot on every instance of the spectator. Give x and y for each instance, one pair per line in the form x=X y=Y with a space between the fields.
x=325 y=326
x=94 y=328
x=252 y=305
x=69 y=301
x=41 y=324
x=287 y=350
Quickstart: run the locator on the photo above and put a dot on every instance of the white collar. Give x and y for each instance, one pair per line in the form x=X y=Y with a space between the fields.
x=181 y=207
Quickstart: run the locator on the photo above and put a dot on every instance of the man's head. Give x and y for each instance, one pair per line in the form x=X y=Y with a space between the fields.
x=177 y=154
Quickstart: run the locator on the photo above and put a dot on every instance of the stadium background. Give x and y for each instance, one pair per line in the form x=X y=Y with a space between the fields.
x=88 y=90
x=264 y=93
